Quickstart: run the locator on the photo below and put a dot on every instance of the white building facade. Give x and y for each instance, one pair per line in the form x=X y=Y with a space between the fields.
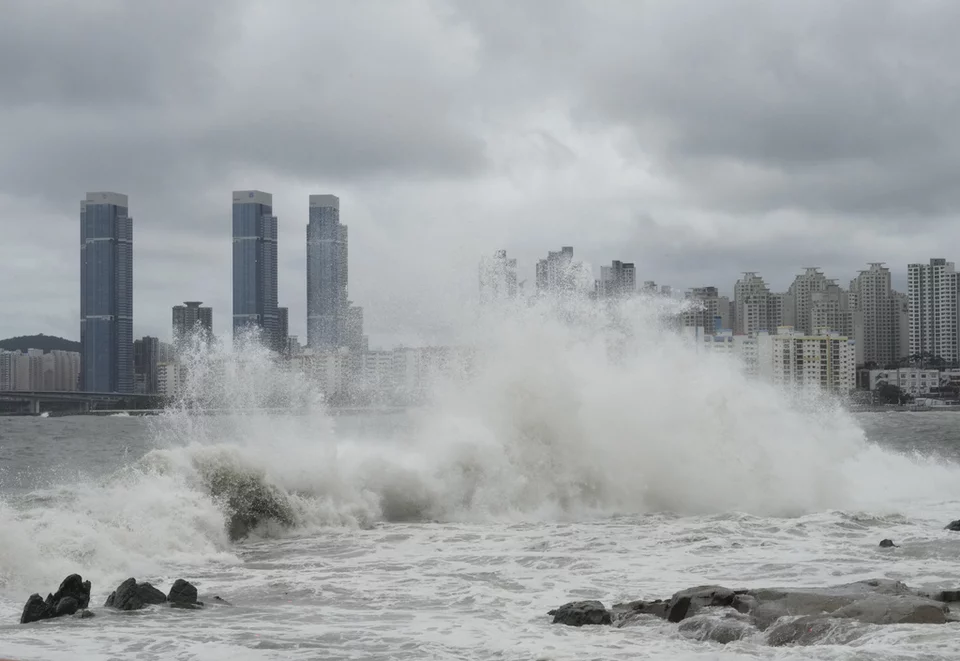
x=932 y=292
x=801 y=361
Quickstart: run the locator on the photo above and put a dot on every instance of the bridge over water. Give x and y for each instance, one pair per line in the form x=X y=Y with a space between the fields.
x=34 y=398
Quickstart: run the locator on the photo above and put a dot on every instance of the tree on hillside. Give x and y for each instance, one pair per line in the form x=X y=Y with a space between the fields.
x=47 y=343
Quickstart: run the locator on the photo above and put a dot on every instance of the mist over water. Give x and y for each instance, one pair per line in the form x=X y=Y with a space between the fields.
x=569 y=411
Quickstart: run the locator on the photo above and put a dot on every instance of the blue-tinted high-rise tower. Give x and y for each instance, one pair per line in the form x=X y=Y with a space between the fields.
x=255 y=265
x=106 y=294
x=327 y=303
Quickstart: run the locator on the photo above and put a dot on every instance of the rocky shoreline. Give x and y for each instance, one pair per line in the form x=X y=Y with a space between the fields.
x=73 y=599
x=777 y=616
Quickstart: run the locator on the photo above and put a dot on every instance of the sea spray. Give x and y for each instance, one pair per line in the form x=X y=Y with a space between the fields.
x=563 y=412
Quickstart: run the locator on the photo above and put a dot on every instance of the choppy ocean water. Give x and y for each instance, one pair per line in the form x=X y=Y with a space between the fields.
x=344 y=587
x=587 y=459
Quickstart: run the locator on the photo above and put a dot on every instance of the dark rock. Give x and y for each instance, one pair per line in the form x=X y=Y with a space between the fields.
x=84 y=615
x=579 y=613
x=248 y=499
x=72 y=595
x=790 y=616
x=953 y=525
x=887 y=543
x=74 y=586
x=130 y=595
x=687 y=602
x=943 y=595
x=37 y=609
x=622 y=614
x=224 y=602
x=182 y=592
x=66 y=606
x=900 y=609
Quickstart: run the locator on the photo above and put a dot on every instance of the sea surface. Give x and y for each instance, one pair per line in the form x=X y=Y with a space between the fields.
x=363 y=578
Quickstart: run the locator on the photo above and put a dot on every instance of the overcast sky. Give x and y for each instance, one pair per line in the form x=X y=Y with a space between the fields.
x=697 y=139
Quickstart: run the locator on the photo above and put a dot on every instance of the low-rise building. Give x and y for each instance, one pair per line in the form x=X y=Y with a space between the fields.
x=826 y=361
x=910 y=380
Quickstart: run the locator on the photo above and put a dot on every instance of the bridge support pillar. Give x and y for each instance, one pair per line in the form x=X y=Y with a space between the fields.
x=35 y=406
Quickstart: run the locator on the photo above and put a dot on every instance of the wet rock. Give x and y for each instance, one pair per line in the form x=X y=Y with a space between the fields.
x=953 y=525
x=767 y=614
x=130 y=596
x=248 y=498
x=723 y=630
x=809 y=630
x=37 y=609
x=74 y=586
x=183 y=595
x=72 y=595
x=224 y=602
x=84 y=615
x=779 y=602
x=789 y=616
x=579 y=613
x=899 y=609
x=621 y=614
x=67 y=606
x=887 y=543
x=688 y=602
x=943 y=595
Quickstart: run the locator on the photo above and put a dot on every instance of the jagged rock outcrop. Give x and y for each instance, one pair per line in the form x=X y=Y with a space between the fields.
x=579 y=613
x=248 y=499
x=183 y=595
x=73 y=595
x=953 y=525
x=786 y=616
x=131 y=595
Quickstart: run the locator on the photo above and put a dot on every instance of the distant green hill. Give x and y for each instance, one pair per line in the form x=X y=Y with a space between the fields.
x=46 y=342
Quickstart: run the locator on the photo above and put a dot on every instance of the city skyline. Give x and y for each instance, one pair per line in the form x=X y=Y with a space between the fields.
x=325 y=202
x=612 y=134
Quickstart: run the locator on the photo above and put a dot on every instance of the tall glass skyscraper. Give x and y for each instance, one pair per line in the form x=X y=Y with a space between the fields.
x=106 y=294
x=255 y=265
x=326 y=274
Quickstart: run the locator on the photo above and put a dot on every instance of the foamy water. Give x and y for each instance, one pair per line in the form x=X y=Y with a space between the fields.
x=596 y=458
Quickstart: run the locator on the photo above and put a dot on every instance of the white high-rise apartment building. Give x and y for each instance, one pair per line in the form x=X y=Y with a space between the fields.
x=751 y=300
x=707 y=309
x=753 y=352
x=932 y=293
x=171 y=379
x=618 y=279
x=37 y=371
x=830 y=310
x=800 y=299
x=6 y=369
x=498 y=278
x=878 y=317
x=826 y=362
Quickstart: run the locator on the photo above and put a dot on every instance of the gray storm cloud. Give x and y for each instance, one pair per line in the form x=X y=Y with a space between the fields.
x=754 y=135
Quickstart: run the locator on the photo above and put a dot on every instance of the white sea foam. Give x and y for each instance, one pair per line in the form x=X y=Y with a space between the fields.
x=568 y=414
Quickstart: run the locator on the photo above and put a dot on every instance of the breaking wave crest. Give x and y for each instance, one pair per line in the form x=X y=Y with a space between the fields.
x=566 y=413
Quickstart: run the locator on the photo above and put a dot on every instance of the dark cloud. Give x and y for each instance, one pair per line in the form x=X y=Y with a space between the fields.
x=755 y=106
x=695 y=139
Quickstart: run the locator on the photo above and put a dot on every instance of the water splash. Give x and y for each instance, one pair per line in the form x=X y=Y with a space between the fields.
x=569 y=410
